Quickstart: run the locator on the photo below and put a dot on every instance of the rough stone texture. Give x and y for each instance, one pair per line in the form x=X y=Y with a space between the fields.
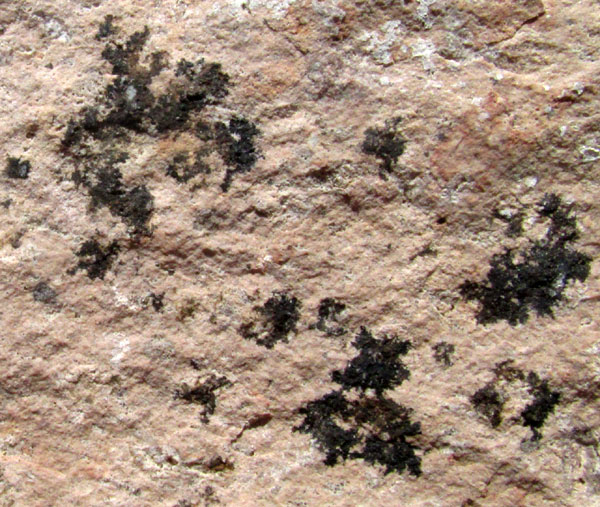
x=201 y=291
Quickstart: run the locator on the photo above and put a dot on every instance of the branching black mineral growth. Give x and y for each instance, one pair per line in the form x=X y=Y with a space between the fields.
x=129 y=107
x=368 y=427
x=442 y=353
x=236 y=144
x=387 y=143
x=95 y=258
x=43 y=293
x=329 y=313
x=488 y=402
x=104 y=183
x=203 y=393
x=544 y=400
x=377 y=365
x=535 y=278
x=106 y=28
x=17 y=168
x=183 y=170
x=280 y=315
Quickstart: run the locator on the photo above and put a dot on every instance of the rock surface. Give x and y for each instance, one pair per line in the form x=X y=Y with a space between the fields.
x=300 y=252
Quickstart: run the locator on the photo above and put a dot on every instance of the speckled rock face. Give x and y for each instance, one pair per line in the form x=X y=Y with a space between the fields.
x=299 y=252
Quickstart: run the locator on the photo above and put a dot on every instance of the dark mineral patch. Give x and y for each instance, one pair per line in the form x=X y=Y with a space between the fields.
x=203 y=393
x=95 y=258
x=106 y=28
x=387 y=143
x=514 y=221
x=488 y=402
x=320 y=421
x=17 y=168
x=182 y=170
x=377 y=365
x=280 y=314
x=368 y=427
x=131 y=105
x=236 y=145
x=43 y=293
x=535 y=414
x=104 y=183
x=442 y=353
x=535 y=278
x=329 y=314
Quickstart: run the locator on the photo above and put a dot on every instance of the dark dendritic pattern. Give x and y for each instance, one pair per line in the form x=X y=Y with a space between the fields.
x=377 y=365
x=17 y=168
x=96 y=258
x=355 y=421
x=489 y=401
x=535 y=278
x=203 y=393
x=280 y=314
x=329 y=313
x=98 y=141
x=387 y=143
x=369 y=426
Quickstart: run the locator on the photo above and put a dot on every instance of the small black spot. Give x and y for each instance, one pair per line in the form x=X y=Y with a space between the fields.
x=488 y=402
x=125 y=58
x=281 y=314
x=157 y=301
x=218 y=464
x=441 y=220
x=182 y=170
x=535 y=414
x=236 y=145
x=106 y=28
x=387 y=144
x=442 y=353
x=203 y=393
x=537 y=280
x=104 y=183
x=95 y=258
x=376 y=366
x=208 y=80
x=43 y=293
x=197 y=365
x=17 y=168
x=329 y=314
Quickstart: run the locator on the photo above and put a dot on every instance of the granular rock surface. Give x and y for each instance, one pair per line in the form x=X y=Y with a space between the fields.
x=299 y=252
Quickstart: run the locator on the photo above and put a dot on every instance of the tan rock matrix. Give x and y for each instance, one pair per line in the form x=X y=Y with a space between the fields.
x=299 y=252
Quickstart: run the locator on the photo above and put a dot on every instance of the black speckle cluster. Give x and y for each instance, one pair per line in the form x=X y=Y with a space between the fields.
x=98 y=141
x=17 y=168
x=329 y=313
x=203 y=393
x=377 y=366
x=387 y=143
x=442 y=353
x=280 y=315
x=368 y=426
x=534 y=278
x=95 y=258
x=490 y=399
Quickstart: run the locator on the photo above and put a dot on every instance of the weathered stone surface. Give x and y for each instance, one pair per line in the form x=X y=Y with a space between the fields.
x=299 y=252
